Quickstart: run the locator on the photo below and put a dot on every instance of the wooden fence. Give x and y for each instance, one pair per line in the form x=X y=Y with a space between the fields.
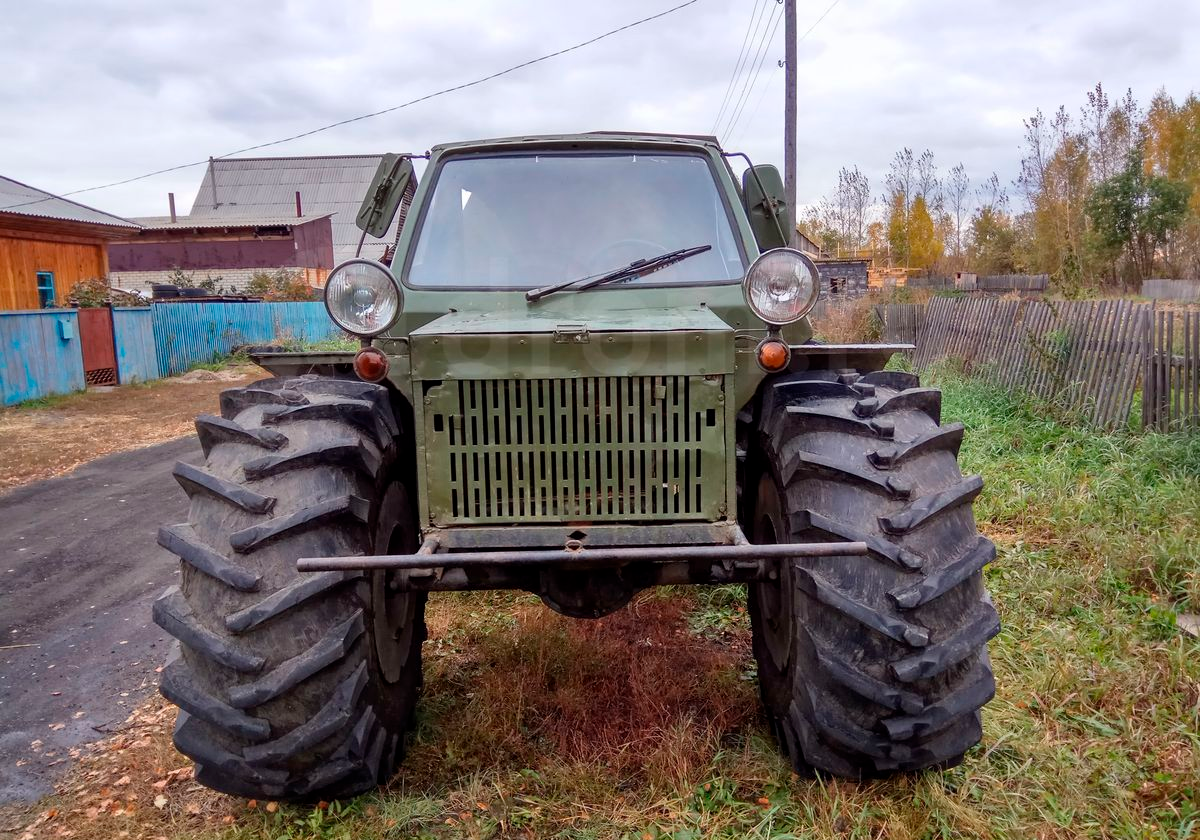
x=1086 y=356
x=1182 y=290
x=1012 y=282
x=900 y=323
x=40 y=355
x=1171 y=390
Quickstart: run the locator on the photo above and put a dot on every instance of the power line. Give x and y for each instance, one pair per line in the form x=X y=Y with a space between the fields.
x=361 y=117
x=751 y=24
x=764 y=48
x=762 y=95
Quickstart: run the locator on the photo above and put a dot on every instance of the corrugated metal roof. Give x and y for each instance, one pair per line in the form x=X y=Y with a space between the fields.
x=193 y=222
x=267 y=186
x=24 y=200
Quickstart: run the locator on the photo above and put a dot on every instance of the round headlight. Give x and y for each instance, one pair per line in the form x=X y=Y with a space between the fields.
x=362 y=297
x=781 y=286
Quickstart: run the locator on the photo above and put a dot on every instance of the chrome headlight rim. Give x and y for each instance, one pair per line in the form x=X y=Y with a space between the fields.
x=387 y=272
x=814 y=294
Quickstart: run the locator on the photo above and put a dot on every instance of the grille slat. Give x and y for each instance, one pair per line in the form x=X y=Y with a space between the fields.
x=588 y=449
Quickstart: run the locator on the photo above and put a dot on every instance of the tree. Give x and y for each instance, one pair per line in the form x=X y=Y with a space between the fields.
x=927 y=246
x=897 y=230
x=1134 y=212
x=958 y=188
x=992 y=241
x=900 y=183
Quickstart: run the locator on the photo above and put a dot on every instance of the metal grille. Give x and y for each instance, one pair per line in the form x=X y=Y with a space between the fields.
x=100 y=376
x=598 y=449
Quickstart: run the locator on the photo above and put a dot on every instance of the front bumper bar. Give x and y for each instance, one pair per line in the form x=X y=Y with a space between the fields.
x=723 y=549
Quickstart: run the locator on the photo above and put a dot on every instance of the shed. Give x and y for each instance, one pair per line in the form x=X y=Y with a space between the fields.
x=242 y=187
x=227 y=249
x=843 y=277
x=49 y=243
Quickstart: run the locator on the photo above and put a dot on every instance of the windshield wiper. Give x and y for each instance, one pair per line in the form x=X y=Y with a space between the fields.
x=637 y=268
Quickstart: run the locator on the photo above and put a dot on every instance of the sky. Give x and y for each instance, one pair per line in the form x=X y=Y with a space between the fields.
x=94 y=91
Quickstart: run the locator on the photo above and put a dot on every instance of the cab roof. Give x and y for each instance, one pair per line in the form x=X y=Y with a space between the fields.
x=592 y=139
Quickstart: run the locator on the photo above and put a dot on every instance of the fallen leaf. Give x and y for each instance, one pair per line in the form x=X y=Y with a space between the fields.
x=124 y=780
x=160 y=801
x=55 y=727
x=192 y=808
x=162 y=783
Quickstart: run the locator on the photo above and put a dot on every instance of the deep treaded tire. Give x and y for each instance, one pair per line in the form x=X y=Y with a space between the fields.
x=283 y=690
x=870 y=665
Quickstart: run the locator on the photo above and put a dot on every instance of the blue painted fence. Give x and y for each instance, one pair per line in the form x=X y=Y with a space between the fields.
x=133 y=335
x=186 y=334
x=41 y=354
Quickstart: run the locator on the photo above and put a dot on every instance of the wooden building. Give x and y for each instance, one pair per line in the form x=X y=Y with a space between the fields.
x=228 y=250
x=49 y=243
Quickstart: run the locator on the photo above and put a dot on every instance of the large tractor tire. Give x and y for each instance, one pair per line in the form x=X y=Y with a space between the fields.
x=875 y=664
x=292 y=686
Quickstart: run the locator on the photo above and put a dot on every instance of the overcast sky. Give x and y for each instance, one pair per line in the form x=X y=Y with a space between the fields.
x=96 y=90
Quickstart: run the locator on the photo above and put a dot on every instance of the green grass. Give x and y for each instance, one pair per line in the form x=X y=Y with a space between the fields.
x=646 y=724
x=50 y=401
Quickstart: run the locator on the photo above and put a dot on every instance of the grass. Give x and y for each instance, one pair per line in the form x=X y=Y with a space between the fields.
x=646 y=724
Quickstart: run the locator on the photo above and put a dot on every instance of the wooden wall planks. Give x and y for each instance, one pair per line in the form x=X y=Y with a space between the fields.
x=22 y=258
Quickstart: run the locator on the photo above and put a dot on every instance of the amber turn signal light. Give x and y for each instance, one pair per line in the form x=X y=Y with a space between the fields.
x=773 y=354
x=370 y=364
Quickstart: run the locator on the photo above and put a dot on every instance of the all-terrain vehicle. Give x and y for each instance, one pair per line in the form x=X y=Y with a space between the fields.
x=586 y=371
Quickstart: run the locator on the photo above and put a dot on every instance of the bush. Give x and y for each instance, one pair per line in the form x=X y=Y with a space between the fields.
x=95 y=292
x=280 y=285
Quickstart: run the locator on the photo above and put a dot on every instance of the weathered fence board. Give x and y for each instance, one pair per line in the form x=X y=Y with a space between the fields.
x=1012 y=282
x=1171 y=395
x=133 y=335
x=900 y=322
x=1083 y=355
x=187 y=334
x=1181 y=290
x=40 y=354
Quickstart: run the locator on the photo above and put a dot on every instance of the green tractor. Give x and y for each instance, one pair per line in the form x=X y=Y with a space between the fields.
x=587 y=370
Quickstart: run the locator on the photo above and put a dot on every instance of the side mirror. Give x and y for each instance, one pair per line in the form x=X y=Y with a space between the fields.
x=762 y=194
x=384 y=195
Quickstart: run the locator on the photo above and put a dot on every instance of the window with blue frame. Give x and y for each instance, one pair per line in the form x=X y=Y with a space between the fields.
x=45 y=287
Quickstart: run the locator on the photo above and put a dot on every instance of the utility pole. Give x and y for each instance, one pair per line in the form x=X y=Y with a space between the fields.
x=789 y=118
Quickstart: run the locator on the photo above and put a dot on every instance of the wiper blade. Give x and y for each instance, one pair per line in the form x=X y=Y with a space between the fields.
x=637 y=268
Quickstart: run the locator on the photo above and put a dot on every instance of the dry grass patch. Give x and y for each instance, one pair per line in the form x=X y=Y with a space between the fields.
x=49 y=437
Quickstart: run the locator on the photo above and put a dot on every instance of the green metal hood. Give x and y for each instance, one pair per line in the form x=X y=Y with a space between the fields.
x=540 y=343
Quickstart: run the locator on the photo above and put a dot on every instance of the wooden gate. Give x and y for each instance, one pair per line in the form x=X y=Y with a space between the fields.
x=96 y=342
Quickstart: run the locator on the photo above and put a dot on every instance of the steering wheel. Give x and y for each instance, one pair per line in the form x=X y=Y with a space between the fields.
x=632 y=249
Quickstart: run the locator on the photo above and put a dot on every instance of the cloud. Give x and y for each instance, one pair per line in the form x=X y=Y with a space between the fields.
x=99 y=91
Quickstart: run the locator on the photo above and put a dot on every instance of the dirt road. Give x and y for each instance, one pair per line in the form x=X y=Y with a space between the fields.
x=79 y=568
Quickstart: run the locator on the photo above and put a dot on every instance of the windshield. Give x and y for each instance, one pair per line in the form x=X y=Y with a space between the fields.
x=521 y=221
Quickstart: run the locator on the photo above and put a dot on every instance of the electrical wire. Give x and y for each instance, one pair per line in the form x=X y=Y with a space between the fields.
x=361 y=117
x=762 y=95
x=764 y=45
x=750 y=25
